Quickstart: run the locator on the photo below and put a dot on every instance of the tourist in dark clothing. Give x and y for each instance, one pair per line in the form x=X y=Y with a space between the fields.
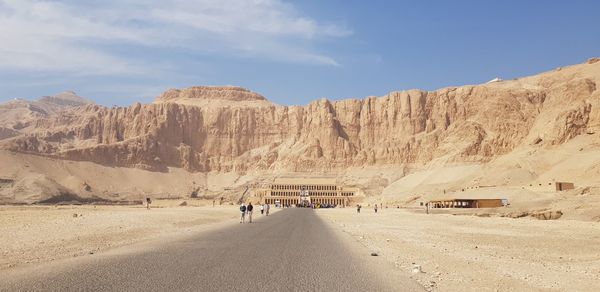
x=243 y=211
x=357 y=208
x=249 y=211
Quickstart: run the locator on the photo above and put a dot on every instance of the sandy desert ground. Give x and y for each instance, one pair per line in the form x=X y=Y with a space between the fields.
x=456 y=253
x=34 y=234
x=468 y=253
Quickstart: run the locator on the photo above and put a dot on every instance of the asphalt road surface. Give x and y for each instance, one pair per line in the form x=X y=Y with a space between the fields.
x=291 y=250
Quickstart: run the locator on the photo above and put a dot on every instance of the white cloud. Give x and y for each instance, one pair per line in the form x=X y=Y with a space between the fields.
x=76 y=36
x=265 y=17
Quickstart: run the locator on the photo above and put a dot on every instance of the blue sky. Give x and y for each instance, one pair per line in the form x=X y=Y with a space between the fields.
x=121 y=52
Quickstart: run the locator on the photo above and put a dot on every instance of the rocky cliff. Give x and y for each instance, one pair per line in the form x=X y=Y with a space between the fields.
x=222 y=129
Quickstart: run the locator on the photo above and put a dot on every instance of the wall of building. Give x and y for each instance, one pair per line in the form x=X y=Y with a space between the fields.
x=563 y=186
x=289 y=194
x=491 y=203
x=475 y=203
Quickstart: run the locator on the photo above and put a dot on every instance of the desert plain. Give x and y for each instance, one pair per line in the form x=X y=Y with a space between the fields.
x=451 y=252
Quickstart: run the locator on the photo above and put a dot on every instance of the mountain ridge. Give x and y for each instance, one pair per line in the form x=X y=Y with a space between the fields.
x=400 y=127
x=369 y=143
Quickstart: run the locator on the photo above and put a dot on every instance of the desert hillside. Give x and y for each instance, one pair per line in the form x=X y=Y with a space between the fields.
x=398 y=147
x=19 y=116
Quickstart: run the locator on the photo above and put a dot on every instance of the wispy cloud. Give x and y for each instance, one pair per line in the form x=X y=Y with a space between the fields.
x=265 y=17
x=75 y=36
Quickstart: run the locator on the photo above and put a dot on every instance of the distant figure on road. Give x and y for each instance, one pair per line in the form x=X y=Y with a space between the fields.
x=267 y=208
x=262 y=209
x=243 y=210
x=148 y=201
x=358 y=209
x=375 y=208
x=249 y=210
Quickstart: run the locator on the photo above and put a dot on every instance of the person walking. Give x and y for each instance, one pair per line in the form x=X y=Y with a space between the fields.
x=375 y=208
x=243 y=210
x=358 y=209
x=267 y=208
x=262 y=209
x=249 y=210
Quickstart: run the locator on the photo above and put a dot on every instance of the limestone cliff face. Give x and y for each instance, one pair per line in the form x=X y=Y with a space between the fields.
x=214 y=96
x=205 y=128
x=233 y=93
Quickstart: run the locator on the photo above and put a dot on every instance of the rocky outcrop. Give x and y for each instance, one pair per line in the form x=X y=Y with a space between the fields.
x=233 y=93
x=469 y=123
x=214 y=97
x=21 y=116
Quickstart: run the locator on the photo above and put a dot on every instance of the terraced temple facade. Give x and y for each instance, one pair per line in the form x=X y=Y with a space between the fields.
x=306 y=191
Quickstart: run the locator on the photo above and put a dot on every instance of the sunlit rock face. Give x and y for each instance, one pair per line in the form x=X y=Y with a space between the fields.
x=228 y=128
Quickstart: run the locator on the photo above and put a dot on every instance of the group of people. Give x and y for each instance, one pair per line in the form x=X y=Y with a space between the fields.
x=248 y=209
x=313 y=206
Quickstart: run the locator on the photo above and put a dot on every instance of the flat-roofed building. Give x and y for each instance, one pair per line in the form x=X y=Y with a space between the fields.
x=468 y=203
x=563 y=186
x=305 y=191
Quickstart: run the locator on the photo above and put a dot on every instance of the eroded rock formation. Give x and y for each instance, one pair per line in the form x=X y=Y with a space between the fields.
x=224 y=129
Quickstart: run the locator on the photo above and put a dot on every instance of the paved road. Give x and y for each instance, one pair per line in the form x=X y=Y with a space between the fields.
x=291 y=250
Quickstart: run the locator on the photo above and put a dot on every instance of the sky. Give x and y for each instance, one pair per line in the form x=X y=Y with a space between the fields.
x=118 y=52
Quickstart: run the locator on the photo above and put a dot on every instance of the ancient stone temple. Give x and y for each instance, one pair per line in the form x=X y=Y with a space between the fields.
x=306 y=191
